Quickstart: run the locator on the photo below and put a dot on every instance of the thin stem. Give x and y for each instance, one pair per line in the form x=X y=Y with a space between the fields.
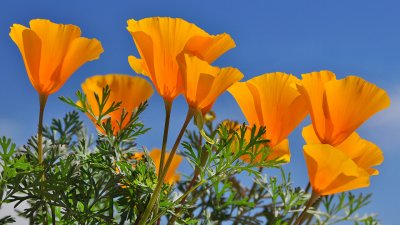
x=111 y=207
x=53 y=215
x=159 y=185
x=308 y=187
x=310 y=202
x=294 y=215
x=42 y=102
x=315 y=205
x=168 y=106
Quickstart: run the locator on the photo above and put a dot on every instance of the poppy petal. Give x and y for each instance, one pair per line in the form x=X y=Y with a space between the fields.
x=209 y=48
x=32 y=49
x=171 y=176
x=248 y=102
x=312 y=87
x=281 y=151
x=130 y=91
x=350 y=102
x=364 y=153
x=283 y=108
x=332 y=171
x=161 y=39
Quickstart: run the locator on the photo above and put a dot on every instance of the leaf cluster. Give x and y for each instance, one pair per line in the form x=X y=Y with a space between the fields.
x=102 y=180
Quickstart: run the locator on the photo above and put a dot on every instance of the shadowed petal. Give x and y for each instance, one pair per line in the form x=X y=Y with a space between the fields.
x=172 y=176
x=364 y=153
x=312 y=87
x=130 y=91
x=332 y=171
x=281 y=151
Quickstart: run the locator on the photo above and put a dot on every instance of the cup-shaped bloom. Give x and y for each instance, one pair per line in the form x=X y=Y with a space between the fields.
x=172 y=176
x=130 y=91
x=339 y=168
x=339 y=107
x=364 y=153
x=160 y=40
x=332 y=171
x=52 y=52
x=203 y=83
x=337 y=158
x=271 y=100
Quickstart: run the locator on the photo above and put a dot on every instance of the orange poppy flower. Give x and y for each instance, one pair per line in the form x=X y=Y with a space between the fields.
x=52 y=52
x=130 y=91
x=160 y=40
x=171 y=176
x=348 y=165
x=364 y=153
x=203 y=83
x=337 y=158
x=339 y=107
x=271 y=100
x=332 y=171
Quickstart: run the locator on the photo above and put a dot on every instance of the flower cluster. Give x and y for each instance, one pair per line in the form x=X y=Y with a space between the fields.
x=177 y=57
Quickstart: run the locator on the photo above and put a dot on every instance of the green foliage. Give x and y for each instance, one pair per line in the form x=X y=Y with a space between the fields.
x=344 y=207
x=103 y=181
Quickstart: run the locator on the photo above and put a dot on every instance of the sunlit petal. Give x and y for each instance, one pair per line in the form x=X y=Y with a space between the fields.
x=349 y=103
x=161 y=39
x=271 y=100
x=204 y=83
x=52 y=52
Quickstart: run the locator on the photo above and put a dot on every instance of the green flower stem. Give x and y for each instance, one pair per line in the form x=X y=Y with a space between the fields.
x=310 y=216
x=168 y=106
x=111 y=207
x=160 y=183
x=314 y=197
x=42 y=102
x=53 y=215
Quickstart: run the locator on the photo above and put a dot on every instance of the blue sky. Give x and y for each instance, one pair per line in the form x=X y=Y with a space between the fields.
x=349 y=37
